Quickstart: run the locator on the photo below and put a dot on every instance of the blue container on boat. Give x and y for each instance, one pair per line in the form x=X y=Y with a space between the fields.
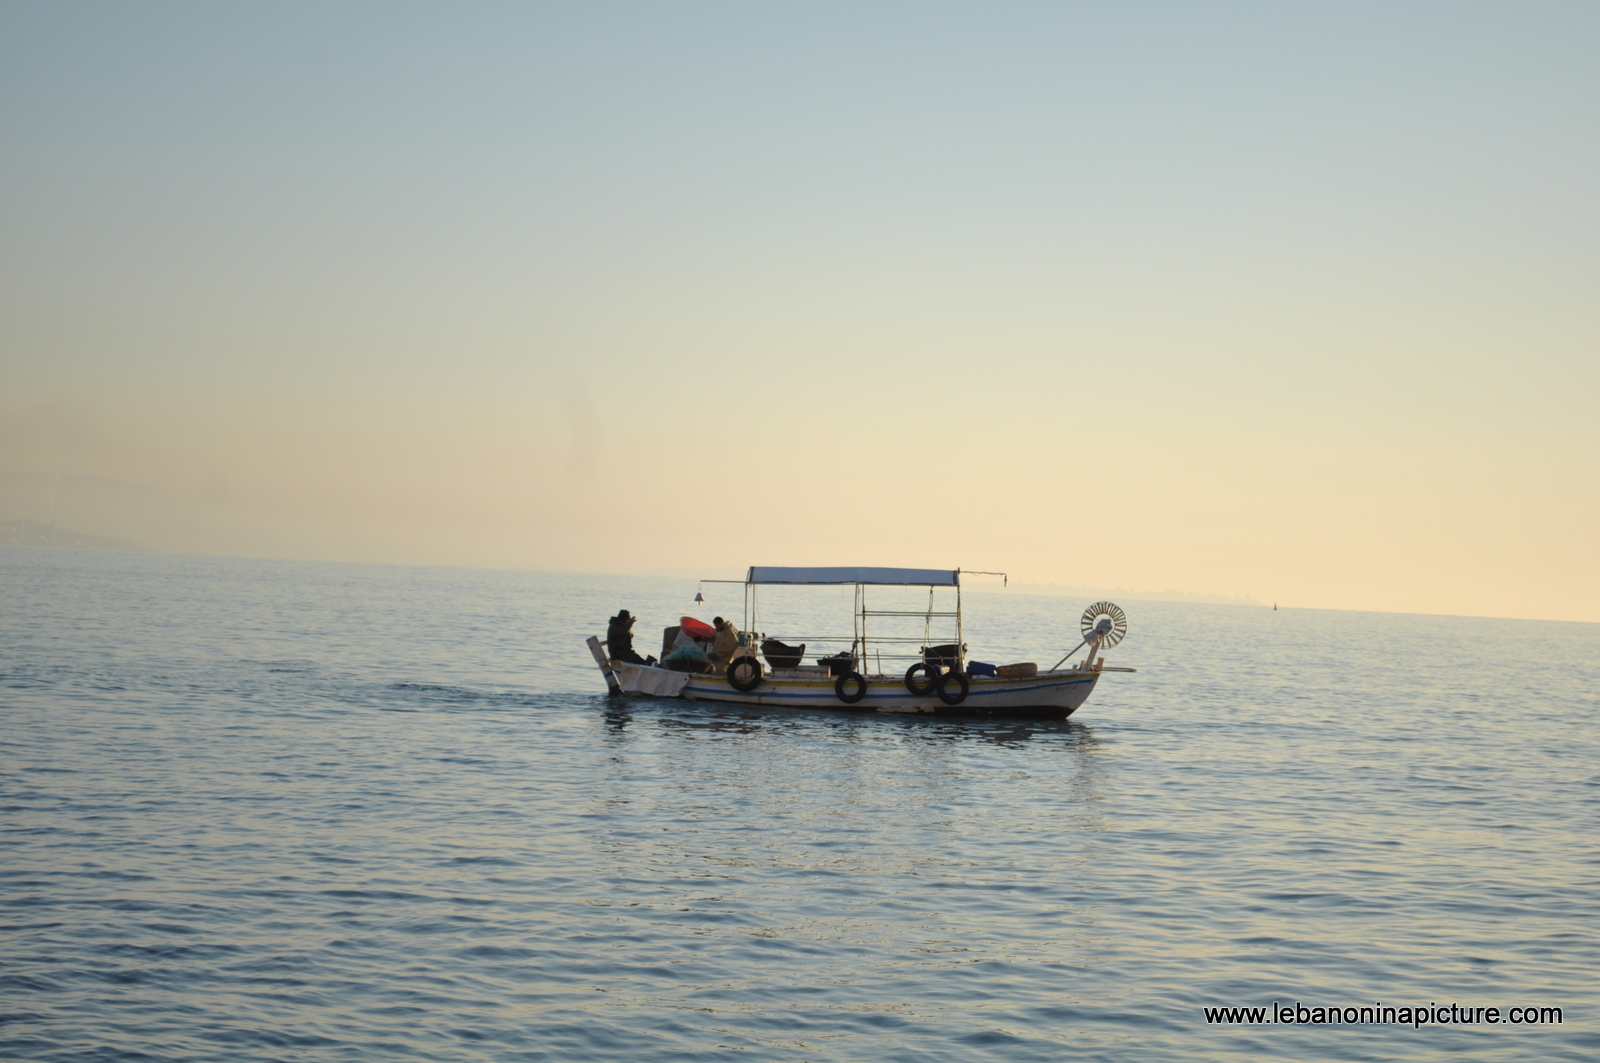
x=979 y=668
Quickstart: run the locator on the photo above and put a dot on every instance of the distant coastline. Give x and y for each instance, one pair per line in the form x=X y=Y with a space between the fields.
x=1130 y=595
x=32 y=533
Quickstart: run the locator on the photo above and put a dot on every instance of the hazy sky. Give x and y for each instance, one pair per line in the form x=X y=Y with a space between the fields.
x=1286 y=301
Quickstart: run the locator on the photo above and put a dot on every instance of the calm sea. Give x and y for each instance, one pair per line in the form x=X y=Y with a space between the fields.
x=266 y=810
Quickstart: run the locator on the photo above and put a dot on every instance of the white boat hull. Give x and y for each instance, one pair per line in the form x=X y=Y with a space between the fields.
x=1049 y=694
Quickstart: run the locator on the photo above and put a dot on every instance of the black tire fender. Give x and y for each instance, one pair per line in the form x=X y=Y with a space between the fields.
x=855 y=679
x=744 y=674
x=923 y=687
x=957 y=679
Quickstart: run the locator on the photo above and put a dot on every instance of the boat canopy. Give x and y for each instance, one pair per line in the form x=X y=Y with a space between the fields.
x=890 y=577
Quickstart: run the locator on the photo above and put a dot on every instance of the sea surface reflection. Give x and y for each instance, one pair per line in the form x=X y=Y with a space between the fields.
x=268 y=810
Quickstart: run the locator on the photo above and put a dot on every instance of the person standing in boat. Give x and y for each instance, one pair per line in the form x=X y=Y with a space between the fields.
x=724 y=645
x=619 y=639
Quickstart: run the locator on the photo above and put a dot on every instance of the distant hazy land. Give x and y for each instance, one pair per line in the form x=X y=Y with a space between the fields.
x=1130 y=594
x=38 y=509
x=29 y=533
x=106 y=514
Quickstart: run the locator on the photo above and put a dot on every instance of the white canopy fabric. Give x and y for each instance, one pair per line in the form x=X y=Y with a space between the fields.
x=892 y=577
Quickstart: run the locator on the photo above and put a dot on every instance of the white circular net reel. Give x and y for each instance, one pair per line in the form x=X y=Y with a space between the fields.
x=1105 y=621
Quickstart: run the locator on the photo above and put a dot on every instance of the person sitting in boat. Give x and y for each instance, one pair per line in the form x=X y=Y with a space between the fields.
x=619 y=639
x=724 y=645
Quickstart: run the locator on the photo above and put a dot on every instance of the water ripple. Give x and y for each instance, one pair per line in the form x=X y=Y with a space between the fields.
x=264 y=810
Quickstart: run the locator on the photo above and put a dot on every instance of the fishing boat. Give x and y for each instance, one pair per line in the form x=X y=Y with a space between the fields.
x=865 y=673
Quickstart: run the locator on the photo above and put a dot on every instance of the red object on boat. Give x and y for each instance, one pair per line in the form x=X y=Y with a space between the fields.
x=696 y=629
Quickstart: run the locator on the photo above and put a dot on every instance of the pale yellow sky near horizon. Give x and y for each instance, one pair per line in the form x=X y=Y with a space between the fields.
x=1298 y=306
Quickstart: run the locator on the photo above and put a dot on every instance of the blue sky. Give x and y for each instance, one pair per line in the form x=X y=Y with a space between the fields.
x=1285 y=288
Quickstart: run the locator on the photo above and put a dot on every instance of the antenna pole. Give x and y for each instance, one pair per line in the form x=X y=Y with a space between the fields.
x=1069 y=654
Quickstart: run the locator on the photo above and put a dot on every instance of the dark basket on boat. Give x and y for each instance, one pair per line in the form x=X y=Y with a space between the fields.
x=781 y=654
x=838 y=664
x=946 y=656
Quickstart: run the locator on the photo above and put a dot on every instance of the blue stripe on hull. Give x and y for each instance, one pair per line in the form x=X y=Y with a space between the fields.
x=1057 y=696
x=722 y=689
